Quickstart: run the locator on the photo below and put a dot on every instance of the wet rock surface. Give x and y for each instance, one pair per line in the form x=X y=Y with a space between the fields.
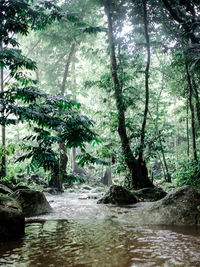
x=180 y=207
x=12 y=222
x=52 y=191
x=150 y=194
x=33 y=203
x=118 y=195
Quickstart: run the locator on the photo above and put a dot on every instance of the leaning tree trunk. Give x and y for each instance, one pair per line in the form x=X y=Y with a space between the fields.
x=68 y=61
x=168 y=176
x=137 y=169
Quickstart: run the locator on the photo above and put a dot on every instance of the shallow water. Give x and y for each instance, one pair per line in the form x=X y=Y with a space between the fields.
x=82 y=233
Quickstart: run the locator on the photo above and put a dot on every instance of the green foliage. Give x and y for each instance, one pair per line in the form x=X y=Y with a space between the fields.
x=54 y=119
x=86 y=158
x=188 y=173
x=72 y=179
x=57 y=119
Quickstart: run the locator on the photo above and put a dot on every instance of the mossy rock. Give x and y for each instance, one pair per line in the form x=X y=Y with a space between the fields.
x=33 y=203
x=150 y=194
x=118 y=195
x=179 y=207
x=12 y=221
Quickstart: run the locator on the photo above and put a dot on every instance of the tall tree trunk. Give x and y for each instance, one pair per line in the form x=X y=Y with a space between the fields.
x=63 y=161
x=107 y=178
x=166 y=173
x=196 y=95
x=73 y=157
x=138 y=170
x=163 y=168
x=168 y=176
x=68 y=61
x=57 y=177
x=187 y=128
x=194 y=146
x=73 y=149
x=62 y=146
x=176 y=136
x=37 y=76
x=142 y=138
x=3 y=129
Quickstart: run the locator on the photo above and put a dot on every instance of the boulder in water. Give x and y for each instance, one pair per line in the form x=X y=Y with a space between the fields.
x=150 y=194
x=12 y=222
x=118 y=195
x=33 y=203
x=180 y=207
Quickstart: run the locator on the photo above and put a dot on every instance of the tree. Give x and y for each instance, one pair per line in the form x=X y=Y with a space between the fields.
x=55 y=120
x=54 y=113
x=137 y=167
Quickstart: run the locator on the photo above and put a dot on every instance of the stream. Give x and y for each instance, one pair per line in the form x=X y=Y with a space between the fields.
x=81 y=233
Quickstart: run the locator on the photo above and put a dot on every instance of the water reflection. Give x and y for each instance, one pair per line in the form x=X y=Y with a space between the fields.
x=100 y=238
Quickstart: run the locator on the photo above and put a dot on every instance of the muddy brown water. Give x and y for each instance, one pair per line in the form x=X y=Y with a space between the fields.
x=81 y=233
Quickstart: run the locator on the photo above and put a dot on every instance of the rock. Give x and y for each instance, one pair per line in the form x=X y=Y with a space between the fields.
x=118 y=195
x=33 y=203
x=150 y=194
x=83 y=197
x=87 y=187
x=12 y=222
x=180 y=207
x=99 y=189
x=94 y=195
x=67 y=186
x=53 y=191
x=5 y=190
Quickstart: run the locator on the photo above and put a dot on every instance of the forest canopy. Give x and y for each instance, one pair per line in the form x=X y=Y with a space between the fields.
x=109 y=83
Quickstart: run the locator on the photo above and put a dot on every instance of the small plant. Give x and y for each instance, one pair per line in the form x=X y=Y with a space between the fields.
x=188 y=173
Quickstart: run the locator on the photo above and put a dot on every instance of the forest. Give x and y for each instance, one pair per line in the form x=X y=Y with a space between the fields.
x=112 y=83
x=100 y=95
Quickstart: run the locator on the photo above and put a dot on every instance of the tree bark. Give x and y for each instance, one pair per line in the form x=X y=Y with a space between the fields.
x=3 y=129
x=168 y=176
x=73 y=149
x=142 y=138
x=58 y=176
x=68 y=61
x=163 y=168
x=137 y=169
x=107 y=178
x=176 y=136
x=194 y=146
x=63 y=160
x=73 y=156
x=197 y=100
x=187 y=129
